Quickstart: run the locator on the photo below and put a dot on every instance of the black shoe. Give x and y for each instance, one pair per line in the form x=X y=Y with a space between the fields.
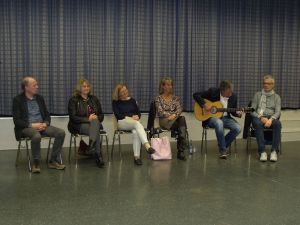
x=138 y=162
x=150 y=150
x=181 y=156
x=99 y=161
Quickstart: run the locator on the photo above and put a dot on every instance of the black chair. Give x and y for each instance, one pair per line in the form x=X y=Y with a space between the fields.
x=204 y=140
x=73 y=138
x=249 y=130
x=26 y=140
x=117 y=134
x=154 y=128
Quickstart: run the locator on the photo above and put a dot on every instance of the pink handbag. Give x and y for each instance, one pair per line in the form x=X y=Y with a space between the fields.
x=162 y=148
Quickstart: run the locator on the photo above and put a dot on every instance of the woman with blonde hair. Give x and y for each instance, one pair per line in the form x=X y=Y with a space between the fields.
x=168 y=109
x=85 y=117
x=128 y=116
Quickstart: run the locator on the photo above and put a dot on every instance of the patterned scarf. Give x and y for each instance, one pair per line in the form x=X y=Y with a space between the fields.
x=263 y=101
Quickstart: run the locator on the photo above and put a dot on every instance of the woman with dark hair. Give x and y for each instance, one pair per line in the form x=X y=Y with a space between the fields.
x=128 y=115
x=85 y=117
x=168 y=109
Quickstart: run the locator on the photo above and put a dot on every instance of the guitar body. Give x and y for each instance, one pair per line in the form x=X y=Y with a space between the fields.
x=202 y=115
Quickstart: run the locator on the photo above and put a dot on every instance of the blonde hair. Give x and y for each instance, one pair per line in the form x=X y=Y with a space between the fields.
x=116 y=91
x=163 y=82
x=269 y=77
x=80 y=82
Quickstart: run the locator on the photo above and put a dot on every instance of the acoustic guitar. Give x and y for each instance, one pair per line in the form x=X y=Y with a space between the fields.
x=216 y=110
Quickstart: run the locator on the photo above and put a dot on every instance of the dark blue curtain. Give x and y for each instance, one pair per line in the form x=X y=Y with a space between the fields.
x=196 y=42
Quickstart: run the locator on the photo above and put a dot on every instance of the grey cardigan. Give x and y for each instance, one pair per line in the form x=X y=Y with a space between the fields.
x=273 y=107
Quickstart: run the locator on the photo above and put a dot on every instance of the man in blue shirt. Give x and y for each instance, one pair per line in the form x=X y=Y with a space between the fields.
x=32 y=119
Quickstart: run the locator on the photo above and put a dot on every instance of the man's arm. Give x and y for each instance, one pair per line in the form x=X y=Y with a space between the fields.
x=199 y=99
x=17 y=114
x=46 y=114
x=277 y=107
x=254 y=105
x=233 y=100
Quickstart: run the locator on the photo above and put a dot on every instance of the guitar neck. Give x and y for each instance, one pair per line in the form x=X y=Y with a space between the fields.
x=230 y=110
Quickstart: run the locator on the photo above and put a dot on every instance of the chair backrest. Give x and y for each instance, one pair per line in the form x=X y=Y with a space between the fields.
x=151 y=116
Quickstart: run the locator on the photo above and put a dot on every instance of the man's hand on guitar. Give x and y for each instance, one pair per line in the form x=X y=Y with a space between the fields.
x=207 y=107
x=239 y=113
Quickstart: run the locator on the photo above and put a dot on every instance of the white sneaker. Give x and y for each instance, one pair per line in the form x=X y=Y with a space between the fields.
x=263 y=157
x=273 y=157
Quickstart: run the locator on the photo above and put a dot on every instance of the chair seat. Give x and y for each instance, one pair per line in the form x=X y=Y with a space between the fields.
x=102 y=132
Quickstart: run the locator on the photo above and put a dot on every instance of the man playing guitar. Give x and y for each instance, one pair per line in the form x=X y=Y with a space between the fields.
x=225 y=95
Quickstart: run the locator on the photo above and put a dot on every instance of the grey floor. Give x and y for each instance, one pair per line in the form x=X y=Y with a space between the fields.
x=202 y=190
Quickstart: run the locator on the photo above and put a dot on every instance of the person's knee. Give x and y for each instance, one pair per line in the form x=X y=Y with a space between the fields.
x=218 y=124
x=134 y=133
x=95 y=123
x=138 y=125
x=256 y=123
x=181 y=120
x=276 y=124
x=237 y=129
x=60 y=133
x=36 y=137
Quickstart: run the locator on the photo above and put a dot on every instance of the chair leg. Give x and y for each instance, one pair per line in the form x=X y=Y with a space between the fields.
x=107 y=150
x=75 y=151
x=101 y=144
x=202 y=141
x=205 y=135
x=28 y=156
x=70 y=147
x=48 y=150
x=280 y=146
x=112 y=146
x=18 y=153
x=248 y=141
x=235 y=148
x=119 y=136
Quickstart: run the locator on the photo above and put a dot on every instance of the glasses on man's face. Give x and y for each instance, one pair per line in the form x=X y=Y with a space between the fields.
x=268 y=83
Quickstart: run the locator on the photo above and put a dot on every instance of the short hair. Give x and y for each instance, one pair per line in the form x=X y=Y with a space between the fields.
x=116 y=91
x=80 y=82
x=25 y=81
x=163 y=81
x=225 y=85
x=269 y=77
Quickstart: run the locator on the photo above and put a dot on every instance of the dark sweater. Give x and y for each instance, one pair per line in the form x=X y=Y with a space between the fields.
x=123 y=108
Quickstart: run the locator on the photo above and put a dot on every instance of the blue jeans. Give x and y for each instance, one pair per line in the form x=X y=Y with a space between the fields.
x=219 y=125
x=259 y=134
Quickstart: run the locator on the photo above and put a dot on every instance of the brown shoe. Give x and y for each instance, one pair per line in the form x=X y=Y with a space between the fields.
x=36 y=167
x=56 y=165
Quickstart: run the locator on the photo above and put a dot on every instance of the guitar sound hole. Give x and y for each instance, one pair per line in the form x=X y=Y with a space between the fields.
x=213 y=110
